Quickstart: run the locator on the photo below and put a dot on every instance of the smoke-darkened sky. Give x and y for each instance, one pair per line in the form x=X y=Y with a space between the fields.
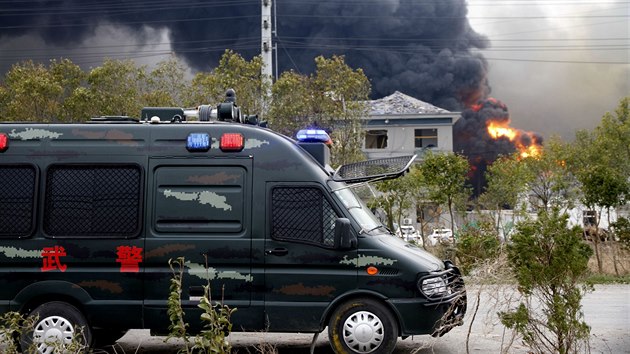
x=557 y=64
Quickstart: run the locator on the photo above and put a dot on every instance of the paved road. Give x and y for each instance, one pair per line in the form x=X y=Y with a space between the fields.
x=606 y=310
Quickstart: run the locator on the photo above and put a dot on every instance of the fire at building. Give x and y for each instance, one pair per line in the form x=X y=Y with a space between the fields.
x=484 y=133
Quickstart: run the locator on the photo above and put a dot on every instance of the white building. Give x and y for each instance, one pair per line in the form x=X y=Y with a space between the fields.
x=399 y=125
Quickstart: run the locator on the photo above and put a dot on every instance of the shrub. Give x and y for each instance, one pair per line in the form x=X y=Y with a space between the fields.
x=476 y=245
x=548 y=260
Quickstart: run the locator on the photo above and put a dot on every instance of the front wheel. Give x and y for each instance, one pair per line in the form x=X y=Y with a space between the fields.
x=362 y=326
x=58 y=327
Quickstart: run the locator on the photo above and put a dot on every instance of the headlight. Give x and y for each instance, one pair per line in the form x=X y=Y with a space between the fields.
x=433 y=286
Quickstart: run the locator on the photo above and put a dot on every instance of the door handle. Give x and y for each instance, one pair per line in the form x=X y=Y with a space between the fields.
x=278 y=251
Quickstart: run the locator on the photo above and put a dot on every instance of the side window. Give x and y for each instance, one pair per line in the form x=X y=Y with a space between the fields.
x=202 y=199
x=93 y=201
x=17 y=200
x=302 y=214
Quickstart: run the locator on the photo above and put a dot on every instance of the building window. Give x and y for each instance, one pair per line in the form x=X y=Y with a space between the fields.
x=426 y=138
x=589 y=217
x=376 y=139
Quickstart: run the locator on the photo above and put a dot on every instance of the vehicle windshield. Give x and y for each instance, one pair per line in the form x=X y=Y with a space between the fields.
x=360 y=212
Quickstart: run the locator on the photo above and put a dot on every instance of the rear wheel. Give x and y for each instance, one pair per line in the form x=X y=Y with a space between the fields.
x=362 y=326
x=58 y=326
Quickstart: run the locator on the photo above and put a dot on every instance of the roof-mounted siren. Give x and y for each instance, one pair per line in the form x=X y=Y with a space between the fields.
x=228 y=110
x=317 y=143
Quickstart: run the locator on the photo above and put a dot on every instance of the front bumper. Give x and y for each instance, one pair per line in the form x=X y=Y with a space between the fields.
x=435 y=315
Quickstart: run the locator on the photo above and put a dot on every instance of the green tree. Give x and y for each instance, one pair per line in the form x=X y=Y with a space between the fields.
x=31 y=93
x=445 y=178
x=603 y=176
x=204 y=89
x=71 y=78
x=165 y=85
x=613 y=134
x=292 y=104
x=621 y=229
x=507 y=180
x=233 y=72
x=396 y=197
x=476 y=244
x=245 y=78
x=340 y=94
x=113 y=88
x=422 y=200
x=551 y=183
x=549 y=260
x=332 y=98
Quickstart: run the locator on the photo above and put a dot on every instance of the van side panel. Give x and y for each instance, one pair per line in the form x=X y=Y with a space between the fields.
x=85 y=242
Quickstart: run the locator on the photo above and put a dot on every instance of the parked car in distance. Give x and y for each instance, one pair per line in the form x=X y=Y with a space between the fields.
x=409 y=233
x=442 y=235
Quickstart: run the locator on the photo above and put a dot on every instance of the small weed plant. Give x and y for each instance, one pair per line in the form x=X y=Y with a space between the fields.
x=215 y=317
x=13 y=325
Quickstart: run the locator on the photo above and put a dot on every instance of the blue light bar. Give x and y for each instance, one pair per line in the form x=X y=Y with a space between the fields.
x=313 y=136
x=198 y=142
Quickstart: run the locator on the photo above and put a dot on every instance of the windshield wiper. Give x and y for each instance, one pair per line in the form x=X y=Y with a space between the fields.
x=364 y=231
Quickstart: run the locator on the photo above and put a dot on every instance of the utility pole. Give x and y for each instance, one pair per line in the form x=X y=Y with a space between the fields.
x=266 y=45
x=266 y=50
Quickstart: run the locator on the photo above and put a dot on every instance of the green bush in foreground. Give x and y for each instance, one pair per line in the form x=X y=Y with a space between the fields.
x=549 y=260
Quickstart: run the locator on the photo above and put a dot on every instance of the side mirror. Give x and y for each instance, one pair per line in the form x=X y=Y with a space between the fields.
x=345 y=239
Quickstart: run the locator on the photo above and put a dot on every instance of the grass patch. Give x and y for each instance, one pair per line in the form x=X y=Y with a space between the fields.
x=608 y=279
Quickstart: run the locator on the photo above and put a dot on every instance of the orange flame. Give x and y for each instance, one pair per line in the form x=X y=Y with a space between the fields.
x=500 y=129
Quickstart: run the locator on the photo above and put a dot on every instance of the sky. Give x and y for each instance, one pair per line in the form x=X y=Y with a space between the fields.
x=557 y=65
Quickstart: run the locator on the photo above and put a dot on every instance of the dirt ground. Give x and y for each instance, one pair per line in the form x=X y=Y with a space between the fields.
x=615 y=260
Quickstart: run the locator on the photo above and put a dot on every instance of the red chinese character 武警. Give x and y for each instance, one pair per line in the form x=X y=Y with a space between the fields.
x=129 y=257
x=51 y=258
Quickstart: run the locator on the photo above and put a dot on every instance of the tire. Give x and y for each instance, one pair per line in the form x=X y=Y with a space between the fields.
x=362 y=326
x=57 y=324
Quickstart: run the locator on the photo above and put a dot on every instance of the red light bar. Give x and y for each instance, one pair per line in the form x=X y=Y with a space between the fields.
x=231 y=142
x=4 y=142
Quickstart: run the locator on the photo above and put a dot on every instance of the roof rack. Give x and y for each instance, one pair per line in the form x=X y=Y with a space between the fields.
x=114 y=119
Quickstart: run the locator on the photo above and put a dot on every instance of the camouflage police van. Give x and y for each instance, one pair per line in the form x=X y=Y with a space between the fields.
x=91 y=214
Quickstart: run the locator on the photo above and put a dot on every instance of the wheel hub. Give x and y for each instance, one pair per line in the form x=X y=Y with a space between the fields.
x=52 y=332
x=363 y=332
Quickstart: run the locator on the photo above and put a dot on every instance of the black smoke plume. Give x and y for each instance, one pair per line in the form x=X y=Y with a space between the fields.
x=424 y=48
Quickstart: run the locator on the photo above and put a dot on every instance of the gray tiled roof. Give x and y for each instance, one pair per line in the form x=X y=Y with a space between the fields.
x=399 y=103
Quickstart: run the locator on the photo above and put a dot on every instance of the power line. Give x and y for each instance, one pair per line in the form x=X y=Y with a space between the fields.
x=117 y=9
